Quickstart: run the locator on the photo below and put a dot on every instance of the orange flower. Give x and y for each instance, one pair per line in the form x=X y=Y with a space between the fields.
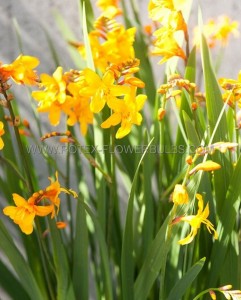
x=24 y=213
x=21 y=70
x=161 y=113
x=168 y=47
x=52 y=193
x=110 y=43
x=79 y=108
x=109 y=7
x=53 y=97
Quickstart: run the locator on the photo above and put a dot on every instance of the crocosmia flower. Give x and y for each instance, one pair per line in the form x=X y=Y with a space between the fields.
x=53 y=97
x=21 y=70
x=24 y=212
x=125 y=112
x=195 y=222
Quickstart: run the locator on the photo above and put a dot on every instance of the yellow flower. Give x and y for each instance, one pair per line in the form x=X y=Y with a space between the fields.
x=101 y=90
x=110 y=43
x=109 y=7
x=21 y=70
x=226 y=27
x=208 y=165
x=1 y=133
x=53 y=97
x=119 y=44
x=195 y=222
x=126 y=112
x=24 y=212
x=80 y=109
x=168 y=47
x=180 y=195
x=233 y=90
x=217 y=30
x=159 y=10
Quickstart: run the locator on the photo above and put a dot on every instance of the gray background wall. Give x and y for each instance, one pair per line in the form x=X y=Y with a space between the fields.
x=32 y=16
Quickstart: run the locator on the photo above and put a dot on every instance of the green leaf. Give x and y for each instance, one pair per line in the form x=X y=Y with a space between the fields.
x=152 y=264
x=185 y=282
x=68 y=35
x=89 y=13
x=127 y=260
x=80 y=253
x=64 y=285
x=106 y=275
x=90 y=61
x=149 y=219
x=190 y=74
x=19 y=264
x=191 y=132
x=11 y=285
x=214 y=105
x=226 y=225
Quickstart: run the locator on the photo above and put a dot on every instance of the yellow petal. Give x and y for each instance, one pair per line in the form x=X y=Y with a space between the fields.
x=43 y=210
x=140 y=100
x=123 y=130
x=57 y=75
x=97 y=103
x=113 y=120
x=19 y=201
x=30 y=61
x=10 y=211
x=189 y=238
x=1 y=143
x=54 y=116
x=26 y=228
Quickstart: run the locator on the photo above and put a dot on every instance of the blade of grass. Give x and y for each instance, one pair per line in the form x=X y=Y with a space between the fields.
x=80 y=266
x=89 y=57
x=127 y=260
x=185 y=282
x=104 y=254
x=19 y=264
x=226 y=225
x=11 y=285
x=64 y=284
x=214 y=105
x=68 y=35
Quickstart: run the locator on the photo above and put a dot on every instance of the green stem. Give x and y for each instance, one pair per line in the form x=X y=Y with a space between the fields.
x=206 y=291
x=69 y=200
x=167 y=243
x=43 y=259
x=19 y=142
x=189 y=169
x=92 y=161
x=13 y=167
